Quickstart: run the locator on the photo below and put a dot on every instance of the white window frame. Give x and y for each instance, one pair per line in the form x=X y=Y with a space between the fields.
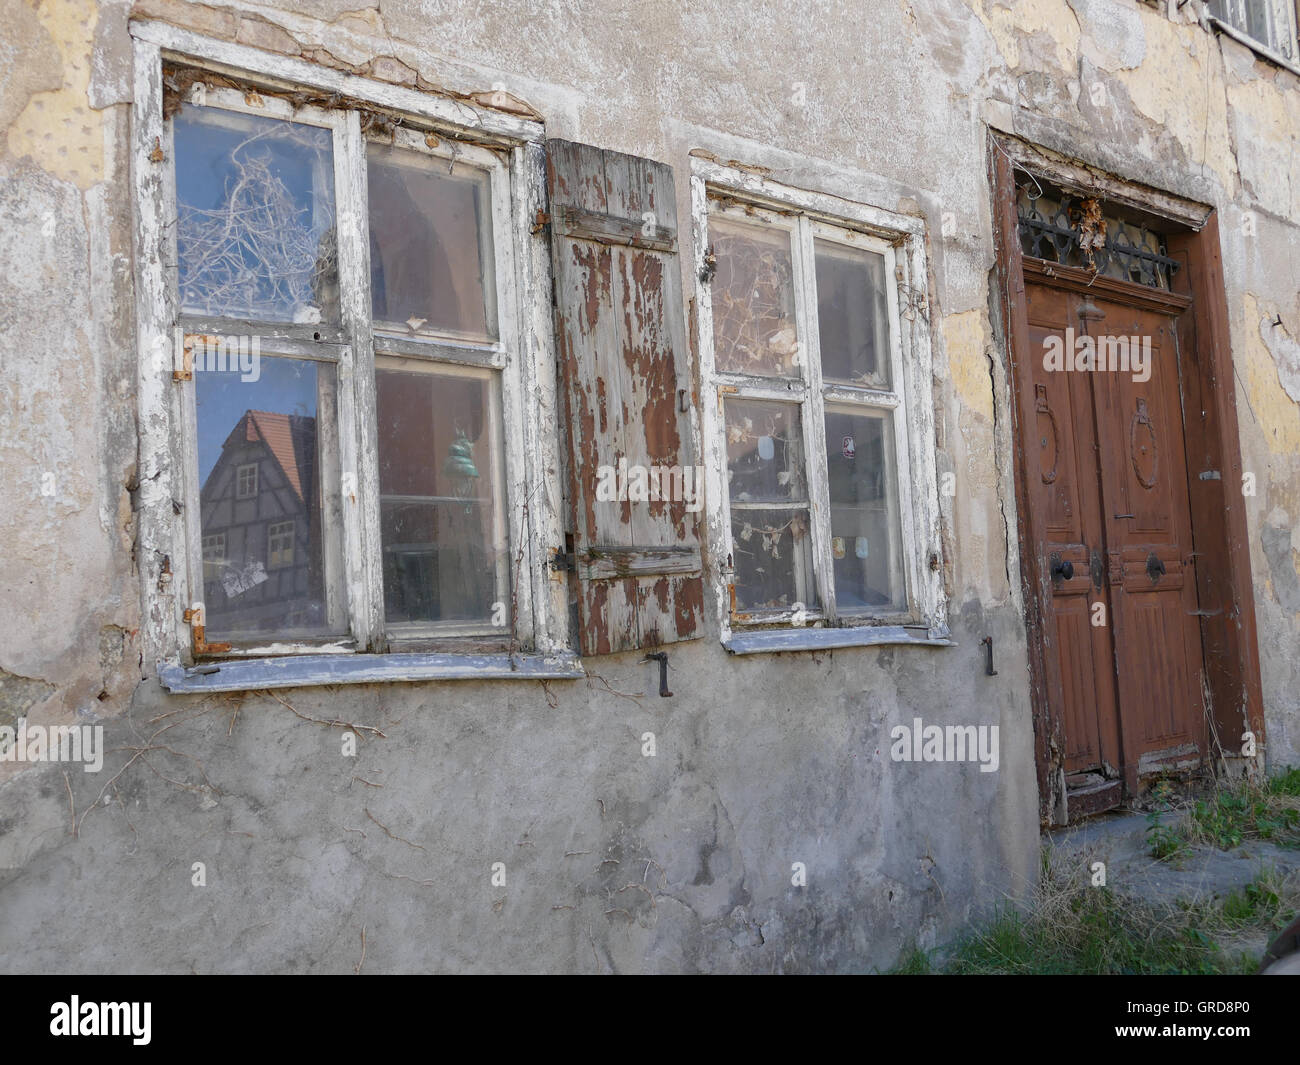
x=514 y=151
x=901 y=239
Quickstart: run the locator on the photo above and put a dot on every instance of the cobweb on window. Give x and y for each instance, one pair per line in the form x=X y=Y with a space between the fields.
x=258 y=254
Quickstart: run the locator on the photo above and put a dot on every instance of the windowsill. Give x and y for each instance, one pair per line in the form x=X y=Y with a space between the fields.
x=1261 y=50
x=771 y=641
x=299 y=671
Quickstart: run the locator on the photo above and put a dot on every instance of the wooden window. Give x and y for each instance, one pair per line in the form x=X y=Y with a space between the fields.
x=1271 y=23
x=369 y=446
x=815 y=357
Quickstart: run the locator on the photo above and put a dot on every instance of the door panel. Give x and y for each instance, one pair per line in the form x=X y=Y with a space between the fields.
x=1065 y=497
x=1148 y=537
x=1111 y=530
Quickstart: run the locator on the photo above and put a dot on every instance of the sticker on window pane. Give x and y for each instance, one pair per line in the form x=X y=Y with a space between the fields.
x=771 y=559
x=263 y=528
x=753 y=300
x=852 y=315
x=764 y=452
x=255 y=200
x=431 y=259
x=866 y=547
x=444 y=542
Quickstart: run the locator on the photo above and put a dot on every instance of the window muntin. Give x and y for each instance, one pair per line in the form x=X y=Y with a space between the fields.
x=335 y=580
x=818 y=493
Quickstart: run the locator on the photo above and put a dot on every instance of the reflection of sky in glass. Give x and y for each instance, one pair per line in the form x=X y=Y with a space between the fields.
x=285 y=386
x=255 y=199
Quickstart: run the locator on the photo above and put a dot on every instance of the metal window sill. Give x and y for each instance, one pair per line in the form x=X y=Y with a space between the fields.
x=749 y=643
x=297 y=671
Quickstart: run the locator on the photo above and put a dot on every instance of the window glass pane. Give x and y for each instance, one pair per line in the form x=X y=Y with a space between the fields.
x=764 y=452
x=444 y=543
x=753 y=299
x=852 y=315
x=770 y=556
x=431 y=262
x=260 y=470
x=255 y=234
x=866 y=546
x=765 y=466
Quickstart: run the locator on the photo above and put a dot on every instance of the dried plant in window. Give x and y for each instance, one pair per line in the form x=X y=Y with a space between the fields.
x=265 y=251
x=753 y=302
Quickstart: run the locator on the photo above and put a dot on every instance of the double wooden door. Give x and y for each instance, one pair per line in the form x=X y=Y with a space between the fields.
x=1109 y=520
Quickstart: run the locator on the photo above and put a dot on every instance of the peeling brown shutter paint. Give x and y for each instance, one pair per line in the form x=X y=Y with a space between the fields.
x=621 y=332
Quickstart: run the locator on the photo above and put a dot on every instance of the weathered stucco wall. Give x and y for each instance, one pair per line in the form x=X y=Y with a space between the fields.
x=613 y=859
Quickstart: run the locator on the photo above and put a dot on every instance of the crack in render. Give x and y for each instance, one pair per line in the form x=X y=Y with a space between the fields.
x=999 y=430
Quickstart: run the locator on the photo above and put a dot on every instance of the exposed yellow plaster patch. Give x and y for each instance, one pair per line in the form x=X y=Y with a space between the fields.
x=59 y=130
x=1277 y=414
x=1270 y=119
x=1190 y=103
x=965 y=337
x=1009 y=22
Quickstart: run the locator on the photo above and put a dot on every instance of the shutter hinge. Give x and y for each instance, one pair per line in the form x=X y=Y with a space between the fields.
x=540 y=222
x=708 y=266
x=194 y=618
x=562 y=561
x=185 y=372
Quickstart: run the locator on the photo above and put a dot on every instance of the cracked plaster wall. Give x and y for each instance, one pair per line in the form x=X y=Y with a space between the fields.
x=614 y=861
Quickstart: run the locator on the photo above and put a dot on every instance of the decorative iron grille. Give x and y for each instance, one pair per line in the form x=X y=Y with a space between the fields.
x=1076 y=231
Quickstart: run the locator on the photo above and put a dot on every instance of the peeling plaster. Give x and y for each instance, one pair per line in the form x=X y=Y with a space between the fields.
x=749 y=766
x=1272 y=367
x=58 y=129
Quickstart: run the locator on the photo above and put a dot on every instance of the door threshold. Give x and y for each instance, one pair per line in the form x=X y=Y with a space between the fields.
x=1092 y=798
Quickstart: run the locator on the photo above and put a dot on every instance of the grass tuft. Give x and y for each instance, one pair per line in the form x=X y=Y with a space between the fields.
x=1071 y=927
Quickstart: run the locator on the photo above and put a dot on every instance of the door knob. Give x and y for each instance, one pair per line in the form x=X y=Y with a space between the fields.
x=1061 y=571
x=1155 y=567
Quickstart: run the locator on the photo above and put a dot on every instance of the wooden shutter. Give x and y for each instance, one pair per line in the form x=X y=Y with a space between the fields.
x=622 y=347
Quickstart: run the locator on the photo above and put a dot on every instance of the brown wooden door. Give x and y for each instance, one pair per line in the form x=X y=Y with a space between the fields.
x=1149 y=558
x=1065 y=500
x=1121 y=649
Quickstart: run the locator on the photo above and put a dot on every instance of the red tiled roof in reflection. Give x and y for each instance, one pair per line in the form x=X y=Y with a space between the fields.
x=291 y=438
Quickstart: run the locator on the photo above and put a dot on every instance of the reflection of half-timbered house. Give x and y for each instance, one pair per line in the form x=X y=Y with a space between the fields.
x=260 y=519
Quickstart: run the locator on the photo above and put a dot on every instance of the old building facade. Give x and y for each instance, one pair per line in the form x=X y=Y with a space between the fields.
x=651 y=488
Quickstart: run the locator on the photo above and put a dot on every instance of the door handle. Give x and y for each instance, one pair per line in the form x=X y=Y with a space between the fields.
x=1061 y=571
x=1095 y=569
x=1155 y=567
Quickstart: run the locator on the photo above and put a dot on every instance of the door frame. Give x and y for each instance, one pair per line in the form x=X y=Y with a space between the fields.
x=1212 y=443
